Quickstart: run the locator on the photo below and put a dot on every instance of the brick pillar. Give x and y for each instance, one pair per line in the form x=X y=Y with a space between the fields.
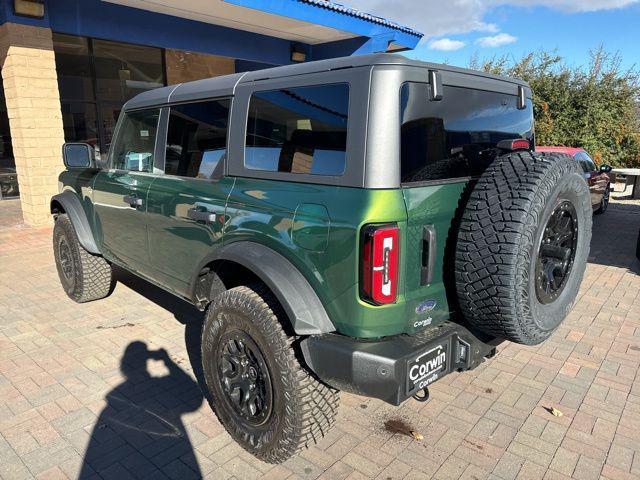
x=35 y=119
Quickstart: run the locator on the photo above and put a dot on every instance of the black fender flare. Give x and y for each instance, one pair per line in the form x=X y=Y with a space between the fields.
x=73 y=208
x=302 y=305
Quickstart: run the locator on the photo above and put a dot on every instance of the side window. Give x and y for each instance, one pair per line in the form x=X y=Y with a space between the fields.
x=585 y=162
x=197 y=139
x=298 y=130
x=134 y=147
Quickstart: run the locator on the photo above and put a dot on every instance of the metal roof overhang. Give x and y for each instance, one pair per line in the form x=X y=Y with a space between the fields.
x=312 y=22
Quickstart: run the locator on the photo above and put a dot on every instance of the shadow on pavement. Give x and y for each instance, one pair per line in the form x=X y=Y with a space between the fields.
x=615 y=237
x=184 y=312
x=141 y=426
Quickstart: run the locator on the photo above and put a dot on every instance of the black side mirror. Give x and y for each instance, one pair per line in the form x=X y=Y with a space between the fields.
x=604 y=168
x=78 y=155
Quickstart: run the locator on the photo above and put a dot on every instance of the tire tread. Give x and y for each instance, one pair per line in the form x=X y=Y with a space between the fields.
x=312 y=405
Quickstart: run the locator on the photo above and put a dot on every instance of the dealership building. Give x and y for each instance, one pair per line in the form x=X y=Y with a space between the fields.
x=68 y=66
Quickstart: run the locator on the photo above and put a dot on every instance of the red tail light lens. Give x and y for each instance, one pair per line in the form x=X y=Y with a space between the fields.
x=380 y=254
x=513 y=145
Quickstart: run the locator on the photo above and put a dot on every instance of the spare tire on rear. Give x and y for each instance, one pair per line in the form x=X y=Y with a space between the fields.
x=522 y=246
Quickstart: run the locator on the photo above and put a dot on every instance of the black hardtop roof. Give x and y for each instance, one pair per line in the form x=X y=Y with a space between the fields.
x=225 y=85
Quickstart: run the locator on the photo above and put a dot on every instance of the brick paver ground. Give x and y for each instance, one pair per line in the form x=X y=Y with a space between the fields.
x=87 y=390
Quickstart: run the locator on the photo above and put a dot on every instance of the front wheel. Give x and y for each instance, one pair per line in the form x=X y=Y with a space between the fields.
x=84 y=277
x=268 y=402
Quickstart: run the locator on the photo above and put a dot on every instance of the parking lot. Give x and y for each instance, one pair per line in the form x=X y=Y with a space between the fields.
x=85 y=390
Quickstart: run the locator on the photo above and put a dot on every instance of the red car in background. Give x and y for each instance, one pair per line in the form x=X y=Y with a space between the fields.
x=597 y=178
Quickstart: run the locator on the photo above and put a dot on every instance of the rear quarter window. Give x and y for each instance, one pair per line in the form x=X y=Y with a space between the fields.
x=299 y=130
x=457 y=136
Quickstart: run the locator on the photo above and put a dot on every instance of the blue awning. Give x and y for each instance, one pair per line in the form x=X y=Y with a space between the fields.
x=363 y=15
x=384 y=34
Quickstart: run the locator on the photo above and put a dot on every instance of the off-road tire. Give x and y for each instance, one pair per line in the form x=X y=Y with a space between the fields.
x=303 y=408
x=604 y=203
x=499 y=239
x=88 y=277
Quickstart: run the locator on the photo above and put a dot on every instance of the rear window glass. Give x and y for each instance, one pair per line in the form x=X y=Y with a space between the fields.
x=457 y=136
x=298 y=130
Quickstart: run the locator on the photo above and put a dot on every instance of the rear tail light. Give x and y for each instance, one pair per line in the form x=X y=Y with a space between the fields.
x=379 y=262
x=515 y=144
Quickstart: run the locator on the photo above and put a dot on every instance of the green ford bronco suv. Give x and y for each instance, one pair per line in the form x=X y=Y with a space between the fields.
x=367 y=224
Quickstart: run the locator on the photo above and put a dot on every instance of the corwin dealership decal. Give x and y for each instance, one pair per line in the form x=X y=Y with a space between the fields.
x=426 y=368
x=423 y=369
x=423 y=323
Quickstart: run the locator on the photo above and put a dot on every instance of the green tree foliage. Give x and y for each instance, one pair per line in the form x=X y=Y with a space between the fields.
x=594 y=107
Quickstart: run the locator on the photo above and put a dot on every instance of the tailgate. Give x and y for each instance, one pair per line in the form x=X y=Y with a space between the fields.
x=430 y=211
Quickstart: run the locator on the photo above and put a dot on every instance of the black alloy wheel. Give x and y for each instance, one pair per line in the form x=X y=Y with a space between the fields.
x=66 y=258
x=245 y=377
x=556 y=253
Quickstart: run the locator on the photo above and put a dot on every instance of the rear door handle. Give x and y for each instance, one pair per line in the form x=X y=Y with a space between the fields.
x=132 y=201
x=428 y=254
x=201 y=215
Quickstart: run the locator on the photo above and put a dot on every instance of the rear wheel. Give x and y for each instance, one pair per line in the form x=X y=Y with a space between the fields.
x=84 y=277
x=523 y=245
x=268 y=402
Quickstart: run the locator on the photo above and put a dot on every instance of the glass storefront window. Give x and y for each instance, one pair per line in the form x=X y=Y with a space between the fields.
x=123 y=71
x=73 y=64
x=109 y=113
x=80 y=122
x=95 y=78
x=8 y=176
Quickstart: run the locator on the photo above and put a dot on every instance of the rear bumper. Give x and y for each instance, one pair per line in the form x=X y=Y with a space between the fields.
x=390 y=369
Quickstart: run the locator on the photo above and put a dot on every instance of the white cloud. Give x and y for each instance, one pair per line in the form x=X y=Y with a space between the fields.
x=569 y=5
x=496 y=40
x=431 y=17
x=436 y=18
x=446 y=45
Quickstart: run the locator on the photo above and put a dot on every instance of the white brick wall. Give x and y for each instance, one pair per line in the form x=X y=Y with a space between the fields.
x=33 y=106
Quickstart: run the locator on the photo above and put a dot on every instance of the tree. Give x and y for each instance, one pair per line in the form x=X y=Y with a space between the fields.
x=594 y=107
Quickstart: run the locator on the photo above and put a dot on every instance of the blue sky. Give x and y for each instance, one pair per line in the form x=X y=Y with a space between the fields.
x=497 y=27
